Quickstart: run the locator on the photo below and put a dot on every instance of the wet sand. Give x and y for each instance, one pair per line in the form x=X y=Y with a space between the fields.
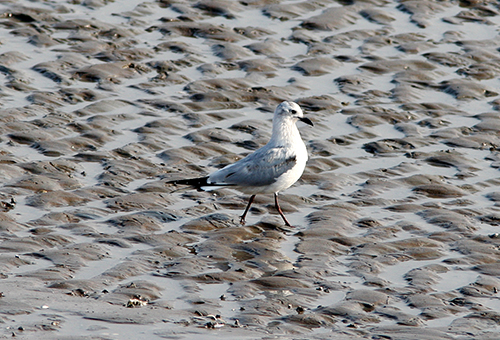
x=395 y=219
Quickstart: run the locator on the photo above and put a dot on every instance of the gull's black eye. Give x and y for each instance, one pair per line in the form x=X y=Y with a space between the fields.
x=292 y=111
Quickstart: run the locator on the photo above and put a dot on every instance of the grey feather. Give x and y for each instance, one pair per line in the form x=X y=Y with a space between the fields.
x=258 y=169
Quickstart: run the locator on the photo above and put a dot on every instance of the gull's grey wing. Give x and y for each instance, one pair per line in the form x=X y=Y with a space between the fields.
x=257 y=169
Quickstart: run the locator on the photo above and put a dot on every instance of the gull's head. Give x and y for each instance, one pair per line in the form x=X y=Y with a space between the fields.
x=291 y=110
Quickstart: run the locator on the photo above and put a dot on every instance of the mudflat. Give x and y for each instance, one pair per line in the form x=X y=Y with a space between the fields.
x=395 y=221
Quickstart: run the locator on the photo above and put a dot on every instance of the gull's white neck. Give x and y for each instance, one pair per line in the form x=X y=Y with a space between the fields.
x=284 y=132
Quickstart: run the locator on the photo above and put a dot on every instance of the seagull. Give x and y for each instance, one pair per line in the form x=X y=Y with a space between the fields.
x=271 y=169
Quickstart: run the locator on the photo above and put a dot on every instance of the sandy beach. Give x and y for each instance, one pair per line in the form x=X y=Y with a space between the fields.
x=395 y=220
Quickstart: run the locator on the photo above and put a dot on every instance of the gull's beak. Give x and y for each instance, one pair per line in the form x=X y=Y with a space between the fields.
x=306 y=120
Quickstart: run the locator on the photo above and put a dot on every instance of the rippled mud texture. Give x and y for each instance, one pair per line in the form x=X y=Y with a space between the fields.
x=396 y=218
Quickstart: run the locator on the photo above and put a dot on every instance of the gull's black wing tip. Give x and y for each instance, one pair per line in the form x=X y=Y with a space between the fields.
x=194 y=182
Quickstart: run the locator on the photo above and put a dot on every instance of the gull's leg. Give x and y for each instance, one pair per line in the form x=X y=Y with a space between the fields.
x=242 y=217
x=280 y=211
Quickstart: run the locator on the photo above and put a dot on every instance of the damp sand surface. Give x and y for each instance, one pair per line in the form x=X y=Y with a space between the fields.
x=395 y=219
